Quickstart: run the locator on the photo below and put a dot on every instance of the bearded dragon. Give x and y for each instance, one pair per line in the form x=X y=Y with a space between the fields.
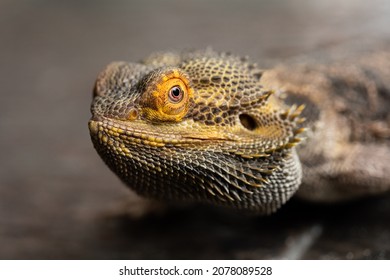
x=215 y=128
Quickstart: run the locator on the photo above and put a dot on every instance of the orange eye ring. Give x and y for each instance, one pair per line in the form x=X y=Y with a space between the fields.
x=168 y=97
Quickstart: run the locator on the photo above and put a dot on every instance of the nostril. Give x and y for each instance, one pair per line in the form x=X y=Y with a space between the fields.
x=248 y=121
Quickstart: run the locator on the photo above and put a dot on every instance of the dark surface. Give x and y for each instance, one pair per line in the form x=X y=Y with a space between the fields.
x=59 y=201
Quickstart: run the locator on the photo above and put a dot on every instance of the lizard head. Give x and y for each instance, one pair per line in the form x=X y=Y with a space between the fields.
x=199 y=127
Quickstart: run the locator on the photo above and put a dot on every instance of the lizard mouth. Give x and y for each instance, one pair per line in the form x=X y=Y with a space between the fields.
x=123 y=133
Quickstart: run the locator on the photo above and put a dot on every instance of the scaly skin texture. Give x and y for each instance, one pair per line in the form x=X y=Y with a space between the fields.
x=213 y=128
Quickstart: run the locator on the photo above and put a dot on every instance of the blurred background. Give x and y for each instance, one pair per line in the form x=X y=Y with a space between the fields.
x=57 y=198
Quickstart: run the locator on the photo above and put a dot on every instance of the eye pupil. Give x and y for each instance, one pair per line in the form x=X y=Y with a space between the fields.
x=175 y=91
x=175 y=94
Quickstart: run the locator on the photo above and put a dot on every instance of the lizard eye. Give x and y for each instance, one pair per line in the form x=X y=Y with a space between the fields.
x=168 y=97
x=175 y=94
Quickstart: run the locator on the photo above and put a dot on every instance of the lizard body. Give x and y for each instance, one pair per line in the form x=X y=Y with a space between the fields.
x=214 y=128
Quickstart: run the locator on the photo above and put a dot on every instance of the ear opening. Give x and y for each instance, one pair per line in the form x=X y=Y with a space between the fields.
x=248 y=122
